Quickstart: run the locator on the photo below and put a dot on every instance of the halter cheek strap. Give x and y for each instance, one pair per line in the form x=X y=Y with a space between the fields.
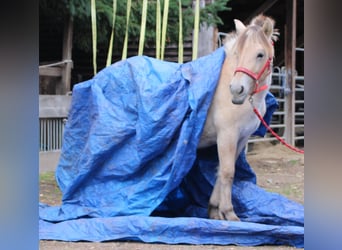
x=256 y=76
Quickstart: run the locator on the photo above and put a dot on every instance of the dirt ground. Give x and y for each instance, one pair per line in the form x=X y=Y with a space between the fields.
x=278 y=170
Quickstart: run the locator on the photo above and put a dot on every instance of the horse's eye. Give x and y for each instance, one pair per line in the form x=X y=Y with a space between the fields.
x=260 y=55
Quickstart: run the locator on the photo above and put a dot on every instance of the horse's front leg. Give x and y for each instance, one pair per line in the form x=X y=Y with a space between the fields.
x=214 y=202
x=220 y=204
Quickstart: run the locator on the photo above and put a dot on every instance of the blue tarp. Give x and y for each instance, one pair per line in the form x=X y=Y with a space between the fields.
x=130 y=169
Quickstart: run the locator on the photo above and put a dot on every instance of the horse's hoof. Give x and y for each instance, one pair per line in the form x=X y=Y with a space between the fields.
x=213 y=213
x=232 y=217
x=228 y=215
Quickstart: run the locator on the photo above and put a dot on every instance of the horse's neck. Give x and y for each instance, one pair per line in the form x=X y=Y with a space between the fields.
x=222 y=90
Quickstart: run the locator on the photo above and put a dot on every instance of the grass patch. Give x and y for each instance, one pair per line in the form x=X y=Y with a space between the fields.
x=49 y=191
x=48 y=177
x=290 y=191
x=293 y=162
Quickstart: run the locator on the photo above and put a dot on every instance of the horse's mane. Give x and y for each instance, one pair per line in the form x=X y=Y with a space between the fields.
x=229 y=41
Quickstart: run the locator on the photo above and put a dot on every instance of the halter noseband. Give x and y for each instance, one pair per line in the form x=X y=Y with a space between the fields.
x=256 y=76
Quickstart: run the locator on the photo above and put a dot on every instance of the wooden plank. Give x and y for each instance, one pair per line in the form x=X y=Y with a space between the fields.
x=54 y=106
x=207 y=40
x=300 y=44
x=263 y=8
x=50 y=71
x=66 y=55
x=290 y=63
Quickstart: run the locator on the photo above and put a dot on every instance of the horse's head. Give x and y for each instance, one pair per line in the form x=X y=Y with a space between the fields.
x=253 y=53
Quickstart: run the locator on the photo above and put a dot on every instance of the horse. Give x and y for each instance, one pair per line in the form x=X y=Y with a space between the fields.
x=245 y=74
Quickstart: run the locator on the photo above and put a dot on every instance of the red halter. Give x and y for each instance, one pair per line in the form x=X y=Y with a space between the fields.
x=256 y=76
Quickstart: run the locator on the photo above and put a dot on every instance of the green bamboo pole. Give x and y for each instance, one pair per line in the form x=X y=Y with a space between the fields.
x=110 y=48
x=94 y=34
x=124 y=50
x=158 y=31
x=165 y=19
x=196 y=31
x=143 y=28
x=180 y=38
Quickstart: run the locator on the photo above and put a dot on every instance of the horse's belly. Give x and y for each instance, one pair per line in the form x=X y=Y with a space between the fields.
x=206 y=141
x=208 y=137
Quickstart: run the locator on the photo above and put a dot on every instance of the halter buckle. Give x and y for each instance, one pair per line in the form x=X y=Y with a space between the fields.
x=250 y=99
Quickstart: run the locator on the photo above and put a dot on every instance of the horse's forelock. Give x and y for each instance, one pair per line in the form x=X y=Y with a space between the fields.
x=252 y=34
x=259 y=21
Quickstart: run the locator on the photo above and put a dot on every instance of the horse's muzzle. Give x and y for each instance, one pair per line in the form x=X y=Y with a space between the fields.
x=238 y=94
x=239 y=100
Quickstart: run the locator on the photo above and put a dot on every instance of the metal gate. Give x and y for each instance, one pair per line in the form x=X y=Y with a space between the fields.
x=53 y=111
x=51 y=133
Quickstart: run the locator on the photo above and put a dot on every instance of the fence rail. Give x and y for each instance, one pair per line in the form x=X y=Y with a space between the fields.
x=53 y=111
x=51 y=132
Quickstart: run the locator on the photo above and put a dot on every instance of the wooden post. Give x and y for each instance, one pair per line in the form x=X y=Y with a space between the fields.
x=66 y=56
x=206 y=37
x=290 y=64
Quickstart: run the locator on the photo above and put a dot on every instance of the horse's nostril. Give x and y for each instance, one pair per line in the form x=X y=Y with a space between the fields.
x=241 y=90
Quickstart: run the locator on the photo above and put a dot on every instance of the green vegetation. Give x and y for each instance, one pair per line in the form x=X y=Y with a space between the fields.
x=58 y=10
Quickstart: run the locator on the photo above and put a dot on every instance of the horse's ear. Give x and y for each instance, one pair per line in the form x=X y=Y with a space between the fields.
x=239 y=26
x=268 y=27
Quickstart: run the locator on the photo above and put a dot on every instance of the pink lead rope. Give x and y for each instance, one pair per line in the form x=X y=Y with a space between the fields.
x=272 y=132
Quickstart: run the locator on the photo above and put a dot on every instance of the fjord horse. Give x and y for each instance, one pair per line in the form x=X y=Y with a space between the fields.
x=245 y=74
